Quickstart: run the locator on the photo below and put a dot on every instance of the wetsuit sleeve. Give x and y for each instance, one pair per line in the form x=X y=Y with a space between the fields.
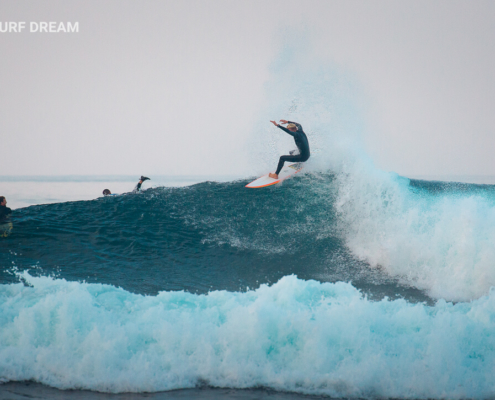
x=299 y=127
x=286 y=130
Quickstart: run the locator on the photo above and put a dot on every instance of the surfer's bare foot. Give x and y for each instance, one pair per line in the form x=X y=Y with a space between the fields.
x=274 y=176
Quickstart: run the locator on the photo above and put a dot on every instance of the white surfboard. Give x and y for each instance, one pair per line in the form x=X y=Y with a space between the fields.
x=286 y=172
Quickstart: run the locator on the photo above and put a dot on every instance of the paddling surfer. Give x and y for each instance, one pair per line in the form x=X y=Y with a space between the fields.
x=296 y=131
x=107 y=192
x=138 y=186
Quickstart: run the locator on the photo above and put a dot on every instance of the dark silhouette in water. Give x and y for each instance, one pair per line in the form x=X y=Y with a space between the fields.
x=107 y=192
x=5 y=212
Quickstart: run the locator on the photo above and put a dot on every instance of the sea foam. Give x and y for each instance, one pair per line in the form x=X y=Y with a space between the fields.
x=441 y=242
x=301 y=336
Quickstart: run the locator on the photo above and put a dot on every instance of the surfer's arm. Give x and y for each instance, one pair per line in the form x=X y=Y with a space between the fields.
x=286 y=130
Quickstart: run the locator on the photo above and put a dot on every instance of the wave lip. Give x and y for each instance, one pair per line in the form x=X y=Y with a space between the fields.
x=300 y=336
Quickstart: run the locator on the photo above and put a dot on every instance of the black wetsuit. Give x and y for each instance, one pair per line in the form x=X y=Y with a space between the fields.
x=137 y=188
x=301 y=143
x=4 y=213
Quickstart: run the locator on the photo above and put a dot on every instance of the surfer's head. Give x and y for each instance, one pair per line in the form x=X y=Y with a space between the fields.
x=292 y=127
x=3 y=201
x=107 y=192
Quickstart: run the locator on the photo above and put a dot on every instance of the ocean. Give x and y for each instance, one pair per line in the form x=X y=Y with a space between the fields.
x=343 y=284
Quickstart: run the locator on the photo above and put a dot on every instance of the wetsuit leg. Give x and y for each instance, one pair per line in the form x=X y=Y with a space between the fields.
x=137 y=189
x=283 y=159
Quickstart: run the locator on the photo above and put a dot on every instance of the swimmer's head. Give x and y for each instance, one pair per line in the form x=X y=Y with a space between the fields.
x=107 y=192
x=292 y=127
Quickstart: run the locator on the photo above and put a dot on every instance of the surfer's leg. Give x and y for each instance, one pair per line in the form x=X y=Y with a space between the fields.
x=138 y=186
x=283 y=159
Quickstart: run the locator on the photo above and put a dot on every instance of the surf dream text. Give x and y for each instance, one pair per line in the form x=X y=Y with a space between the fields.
x=39 y=27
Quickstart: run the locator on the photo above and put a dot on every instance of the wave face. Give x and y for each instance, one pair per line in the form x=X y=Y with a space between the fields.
x=300 y=336
x=388 y=235
x=203 y=237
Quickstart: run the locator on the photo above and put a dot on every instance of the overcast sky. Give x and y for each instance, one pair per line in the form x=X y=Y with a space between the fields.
x=179 y=87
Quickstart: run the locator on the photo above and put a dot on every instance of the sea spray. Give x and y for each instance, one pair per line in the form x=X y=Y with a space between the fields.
x=438 y=242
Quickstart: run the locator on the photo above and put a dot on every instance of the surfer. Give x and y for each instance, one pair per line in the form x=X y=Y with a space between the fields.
x=296 y=131
x=5 y=224
x=138 y=186
x=4 y=210
x=107 y=192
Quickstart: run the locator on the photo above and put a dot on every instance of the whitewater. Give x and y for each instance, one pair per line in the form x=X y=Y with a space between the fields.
x=302 y=336
x=344 y=281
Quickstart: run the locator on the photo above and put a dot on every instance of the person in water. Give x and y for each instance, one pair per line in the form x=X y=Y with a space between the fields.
x=138 y=186
x=5 y=224
x=4 y=210
x=296 y=131
x=107 y=192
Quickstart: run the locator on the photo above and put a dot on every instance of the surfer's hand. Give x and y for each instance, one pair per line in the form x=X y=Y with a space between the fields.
x=274 y=123
x=284 y=121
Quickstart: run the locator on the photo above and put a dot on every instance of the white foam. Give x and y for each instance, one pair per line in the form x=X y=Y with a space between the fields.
x=300 y=336
x=442 y=243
